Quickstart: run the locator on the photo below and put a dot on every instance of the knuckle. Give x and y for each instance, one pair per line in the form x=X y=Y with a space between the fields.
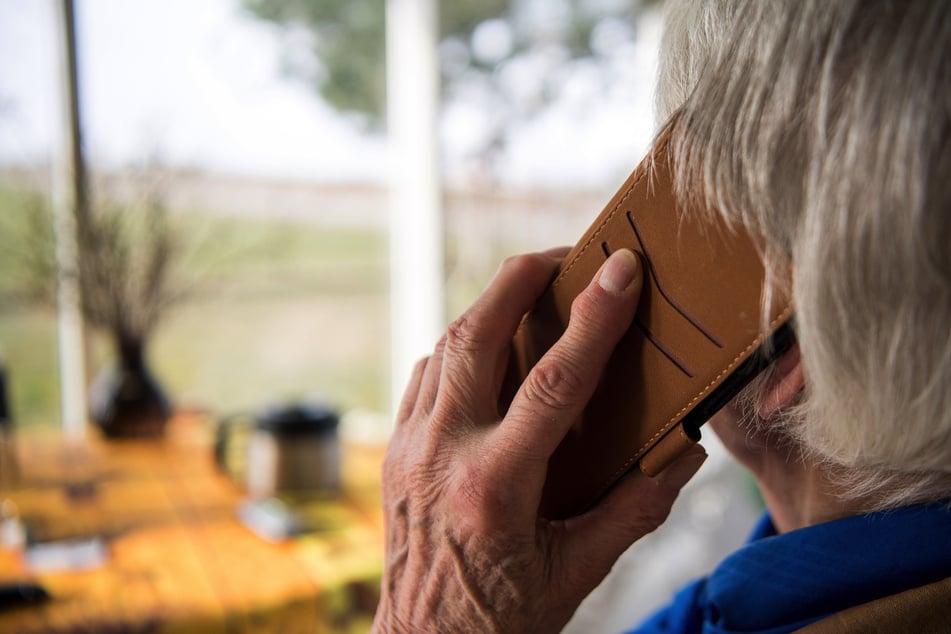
x=511 y=261
x=478 y=501
x=553 y=384
x=587 y=309
x=608 y=309
x=451 y=416
x=514 y=262
x=517 y=450
x=526 y=264
x=654 y=510
x=465 y=335
x=651 y=519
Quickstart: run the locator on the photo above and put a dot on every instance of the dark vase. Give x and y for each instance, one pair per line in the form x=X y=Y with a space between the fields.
x=125 y=400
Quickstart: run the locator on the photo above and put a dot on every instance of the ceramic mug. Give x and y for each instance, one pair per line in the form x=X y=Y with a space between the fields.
x=288 y=450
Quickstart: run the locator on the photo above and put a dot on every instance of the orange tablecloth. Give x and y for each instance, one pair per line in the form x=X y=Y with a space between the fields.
x=178 y=559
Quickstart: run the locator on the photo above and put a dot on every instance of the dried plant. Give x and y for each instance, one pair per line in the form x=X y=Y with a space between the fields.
x=126 y=252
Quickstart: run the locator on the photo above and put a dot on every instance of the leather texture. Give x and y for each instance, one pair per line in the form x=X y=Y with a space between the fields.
x=924 y=610
x=699 y=321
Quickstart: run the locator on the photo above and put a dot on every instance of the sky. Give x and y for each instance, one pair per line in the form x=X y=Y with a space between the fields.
x=200 y=85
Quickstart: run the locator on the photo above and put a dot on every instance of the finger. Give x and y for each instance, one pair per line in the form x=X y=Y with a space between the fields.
x=411 y=394
x=502 y=363
x=636 y=506
x=478 y=342
x=557 y=252
x=558 y=388
x=429 y=382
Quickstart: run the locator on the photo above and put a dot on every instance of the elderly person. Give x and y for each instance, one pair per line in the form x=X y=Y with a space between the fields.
x=824 y=127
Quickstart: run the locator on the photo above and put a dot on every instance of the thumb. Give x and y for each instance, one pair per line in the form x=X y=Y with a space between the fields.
x=634 y=507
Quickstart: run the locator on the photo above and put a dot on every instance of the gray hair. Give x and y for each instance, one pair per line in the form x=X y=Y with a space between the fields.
x=826 y=127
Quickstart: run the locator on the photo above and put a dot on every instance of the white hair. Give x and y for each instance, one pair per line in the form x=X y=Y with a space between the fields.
x=825 y=126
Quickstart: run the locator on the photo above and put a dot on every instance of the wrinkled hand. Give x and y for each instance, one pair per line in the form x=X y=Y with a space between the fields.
x=466 y=551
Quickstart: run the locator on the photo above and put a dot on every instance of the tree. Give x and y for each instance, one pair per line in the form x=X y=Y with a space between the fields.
x=485 y=46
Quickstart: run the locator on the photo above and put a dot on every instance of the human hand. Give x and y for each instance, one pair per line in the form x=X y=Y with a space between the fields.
x=465 y=548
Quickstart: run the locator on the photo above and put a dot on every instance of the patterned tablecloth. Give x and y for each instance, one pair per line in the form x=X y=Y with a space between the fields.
x=157 y=524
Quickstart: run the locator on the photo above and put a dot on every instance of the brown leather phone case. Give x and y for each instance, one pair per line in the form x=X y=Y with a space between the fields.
x=696 y=340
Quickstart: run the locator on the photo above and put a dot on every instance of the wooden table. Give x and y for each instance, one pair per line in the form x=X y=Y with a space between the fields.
x=178 y=560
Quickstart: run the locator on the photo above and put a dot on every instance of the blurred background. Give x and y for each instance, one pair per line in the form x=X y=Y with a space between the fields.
x=279 y=204
x=260 y=127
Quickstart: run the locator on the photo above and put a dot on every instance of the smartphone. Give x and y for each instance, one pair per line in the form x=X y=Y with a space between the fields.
x=704 y=327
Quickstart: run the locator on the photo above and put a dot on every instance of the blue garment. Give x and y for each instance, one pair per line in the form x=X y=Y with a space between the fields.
x=778 y=583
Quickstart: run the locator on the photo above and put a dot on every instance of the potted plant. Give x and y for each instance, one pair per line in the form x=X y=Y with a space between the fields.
x=125 y=253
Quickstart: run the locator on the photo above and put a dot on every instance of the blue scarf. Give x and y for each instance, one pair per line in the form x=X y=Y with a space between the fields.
x=779 y=583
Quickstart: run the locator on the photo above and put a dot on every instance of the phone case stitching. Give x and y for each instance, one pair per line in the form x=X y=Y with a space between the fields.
x=638 y=454
x=600 y=228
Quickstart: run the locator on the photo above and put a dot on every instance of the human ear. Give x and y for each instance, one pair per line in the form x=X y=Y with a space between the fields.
x=785 y=384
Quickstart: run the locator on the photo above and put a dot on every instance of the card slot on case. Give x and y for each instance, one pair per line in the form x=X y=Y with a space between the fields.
x=698 y=336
